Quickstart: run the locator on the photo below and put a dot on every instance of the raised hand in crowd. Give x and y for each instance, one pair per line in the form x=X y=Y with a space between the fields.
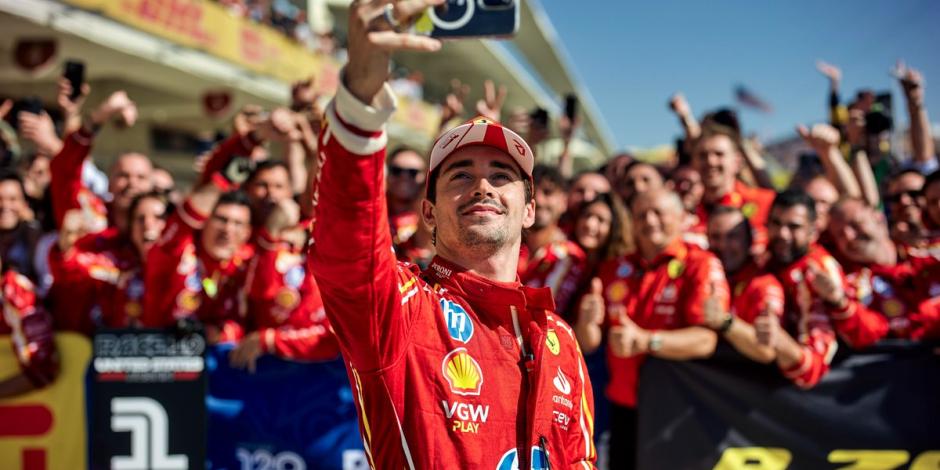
x=71 y=109
x=680 y=106
x=117 y=105
x=40 y=130
x=824 y=140
x=833 y=73
x=452 y=106
x=491 y=105
x=922 y=144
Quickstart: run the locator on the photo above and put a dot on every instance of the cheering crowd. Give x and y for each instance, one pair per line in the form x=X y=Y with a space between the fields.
x=641 y=259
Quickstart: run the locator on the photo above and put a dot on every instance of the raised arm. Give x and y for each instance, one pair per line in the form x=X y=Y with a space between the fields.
x=824 y=139
x=912 y=82
x=352 y=259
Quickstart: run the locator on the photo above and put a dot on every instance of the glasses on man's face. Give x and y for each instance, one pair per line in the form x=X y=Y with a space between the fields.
x=399 y=172
x=896 y=197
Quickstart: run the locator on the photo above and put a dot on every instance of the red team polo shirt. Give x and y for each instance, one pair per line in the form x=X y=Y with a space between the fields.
x=666 y=293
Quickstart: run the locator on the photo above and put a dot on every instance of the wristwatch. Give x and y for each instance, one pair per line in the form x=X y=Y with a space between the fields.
x=726 y=324
x=656 y=342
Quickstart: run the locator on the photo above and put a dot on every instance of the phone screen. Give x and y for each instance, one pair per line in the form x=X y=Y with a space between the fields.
x=75 y=74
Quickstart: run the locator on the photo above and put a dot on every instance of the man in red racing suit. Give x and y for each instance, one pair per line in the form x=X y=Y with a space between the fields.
x=460 y=366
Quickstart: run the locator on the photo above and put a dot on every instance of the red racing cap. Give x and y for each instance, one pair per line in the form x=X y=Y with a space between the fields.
x=483 y=131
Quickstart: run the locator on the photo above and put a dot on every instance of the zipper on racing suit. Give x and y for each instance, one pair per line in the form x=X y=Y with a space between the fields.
x=526 y=361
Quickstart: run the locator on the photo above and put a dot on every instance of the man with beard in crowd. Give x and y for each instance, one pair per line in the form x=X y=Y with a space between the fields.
x=654 y=299
x=548 y=258
x=814 y=288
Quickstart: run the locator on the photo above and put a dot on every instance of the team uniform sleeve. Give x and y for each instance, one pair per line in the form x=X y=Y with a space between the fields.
x=707 y=280
x=352 y=259
x=161 y=271
x=32 y=331
x=66 y=173
x=223 y=153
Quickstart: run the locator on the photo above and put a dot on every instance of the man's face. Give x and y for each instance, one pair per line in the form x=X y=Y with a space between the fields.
x=587 y=187
x=550 y=204
x=729 y=239
x=718 y=162
x=226 y=231
x=12 y=204
x=480 y=202
x=268 y=188
x=790 y=232
x=905 y=198
x=858 y=232
x=147 y=223
x=825 y=195
x=131 y=175
x=657 y=219
x=593 y=227
x=688 y=185
x=406 y=175
x=640 y=179
x=932 y=203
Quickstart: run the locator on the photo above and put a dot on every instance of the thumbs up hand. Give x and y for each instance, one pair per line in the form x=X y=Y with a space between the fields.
x=626 y=339
x=591 y=308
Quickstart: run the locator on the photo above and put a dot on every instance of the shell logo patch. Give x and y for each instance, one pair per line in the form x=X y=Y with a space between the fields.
x=462 y=372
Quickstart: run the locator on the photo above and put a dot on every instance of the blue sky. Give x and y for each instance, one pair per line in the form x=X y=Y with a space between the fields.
x=633 y=55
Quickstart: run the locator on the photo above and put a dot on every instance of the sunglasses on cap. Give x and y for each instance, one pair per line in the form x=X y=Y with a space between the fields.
x=398 y=172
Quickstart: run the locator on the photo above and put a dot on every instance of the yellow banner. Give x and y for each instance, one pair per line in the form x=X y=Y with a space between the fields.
x=54 y=417
x=206 y=26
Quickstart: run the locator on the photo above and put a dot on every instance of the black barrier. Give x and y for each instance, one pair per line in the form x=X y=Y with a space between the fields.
x=874 y=410
x=147 y=400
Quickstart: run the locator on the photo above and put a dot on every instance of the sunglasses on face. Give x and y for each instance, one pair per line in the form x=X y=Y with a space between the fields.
x=896 y=197
x=398 y=172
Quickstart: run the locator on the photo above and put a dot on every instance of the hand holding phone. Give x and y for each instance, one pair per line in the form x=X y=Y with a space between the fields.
x=75 y=74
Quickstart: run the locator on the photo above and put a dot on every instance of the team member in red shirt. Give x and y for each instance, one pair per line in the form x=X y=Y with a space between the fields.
x=548 y=258
x=285 y=311
x=813 y=286
x=460 y=366
x=905 y=202
x=756 y=296
x=129 y=176
x=198 y=267
x=99 y=284
x=654 y=300
x=30 y=329
x=718 y=158
x=888 y=296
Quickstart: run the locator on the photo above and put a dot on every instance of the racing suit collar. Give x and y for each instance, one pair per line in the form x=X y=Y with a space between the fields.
x=477 y=289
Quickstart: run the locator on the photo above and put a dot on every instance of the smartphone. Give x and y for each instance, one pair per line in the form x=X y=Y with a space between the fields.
x=456 y=19
x=571 y=106
x=75 y=74
x=31 y=104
